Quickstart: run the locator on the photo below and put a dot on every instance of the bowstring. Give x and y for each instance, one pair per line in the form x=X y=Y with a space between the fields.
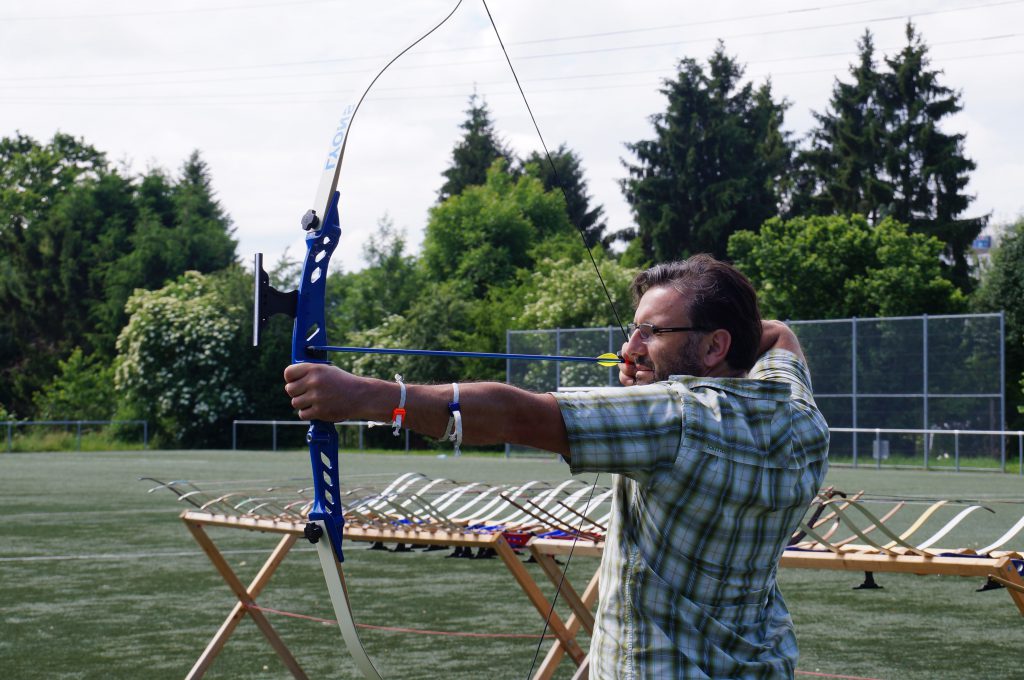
x=554 y=171
x=611 y=304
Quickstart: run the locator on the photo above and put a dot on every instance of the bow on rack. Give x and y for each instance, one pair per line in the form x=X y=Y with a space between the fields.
x=309 y=344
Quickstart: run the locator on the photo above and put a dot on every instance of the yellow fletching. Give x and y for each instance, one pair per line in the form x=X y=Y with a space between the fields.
x=608 y=360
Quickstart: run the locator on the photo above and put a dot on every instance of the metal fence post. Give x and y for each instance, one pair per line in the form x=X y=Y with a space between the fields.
x=145 y=435
x=78 y=435
x=360 y=436
x=956 y=449
x=234 y=435
x=1020 y=452
x=273 y=429
x=924 y=383
x=878 y=449
x=558 y=364
x=853 y=383
x=1002 y=386
x=10 y=439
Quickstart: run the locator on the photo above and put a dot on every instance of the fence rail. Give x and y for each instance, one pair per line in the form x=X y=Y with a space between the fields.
x=274 y=424
x=966 y=446
x=11 y=424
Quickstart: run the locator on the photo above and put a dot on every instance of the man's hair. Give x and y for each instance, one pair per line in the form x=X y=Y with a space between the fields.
x=720 y=297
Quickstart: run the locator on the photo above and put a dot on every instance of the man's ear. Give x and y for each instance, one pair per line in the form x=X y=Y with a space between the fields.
x=716 y=348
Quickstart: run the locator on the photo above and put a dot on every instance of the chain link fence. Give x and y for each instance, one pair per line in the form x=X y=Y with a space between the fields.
x=930 y=373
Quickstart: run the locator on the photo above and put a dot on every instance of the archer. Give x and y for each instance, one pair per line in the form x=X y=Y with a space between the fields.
x=717 y=446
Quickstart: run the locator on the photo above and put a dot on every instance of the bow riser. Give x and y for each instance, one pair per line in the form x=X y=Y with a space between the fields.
x=310 y=329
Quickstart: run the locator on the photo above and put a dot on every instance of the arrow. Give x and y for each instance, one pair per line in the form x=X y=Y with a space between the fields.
x=608 y=359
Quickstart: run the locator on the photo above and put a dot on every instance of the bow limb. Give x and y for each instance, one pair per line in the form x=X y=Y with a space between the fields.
x=338 y=591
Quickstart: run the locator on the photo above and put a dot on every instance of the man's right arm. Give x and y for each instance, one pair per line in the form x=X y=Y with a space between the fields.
x=777 y=335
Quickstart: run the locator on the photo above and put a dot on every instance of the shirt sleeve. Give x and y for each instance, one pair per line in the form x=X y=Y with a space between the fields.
x=624 y=430
x=779 y=365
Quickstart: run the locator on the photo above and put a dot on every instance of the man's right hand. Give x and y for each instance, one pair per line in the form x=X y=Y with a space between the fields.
x=631 y=373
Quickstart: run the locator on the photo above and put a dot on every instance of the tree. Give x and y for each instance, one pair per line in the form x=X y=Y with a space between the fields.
x=388 y=285
x=564 y=174
x=442 y=318
x=927 y=167
x=76 y=238
x=563 y=293
x=838 y=267
x=879 y=151
x=176 y=363
x=716 y=164
x=841 y=173
x=61 y=208
x=80 y=391
x=482 y=236
x=475 y=153
x=1002 y=289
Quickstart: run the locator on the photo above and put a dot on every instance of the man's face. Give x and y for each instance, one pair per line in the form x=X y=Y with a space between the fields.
x=665 y=354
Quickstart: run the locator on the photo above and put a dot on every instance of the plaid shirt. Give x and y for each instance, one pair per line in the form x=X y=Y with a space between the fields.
x=712 y=477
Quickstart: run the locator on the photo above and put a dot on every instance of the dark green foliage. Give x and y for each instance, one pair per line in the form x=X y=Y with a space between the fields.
x=927 y=167
x=879 y=151
x=484 y=235
x=388 y=285
x=564 y=175
x=837 y=267
x=62 y=211
x=81 y=391
x=717 y=163
x=475 y=153
x=1002 y=289
x=76 y=238
x=840 y=172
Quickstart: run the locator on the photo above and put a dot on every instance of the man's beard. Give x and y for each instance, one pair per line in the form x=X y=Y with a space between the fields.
x=686 y=362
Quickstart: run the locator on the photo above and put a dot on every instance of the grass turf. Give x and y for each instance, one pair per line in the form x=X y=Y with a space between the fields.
x=100 y=579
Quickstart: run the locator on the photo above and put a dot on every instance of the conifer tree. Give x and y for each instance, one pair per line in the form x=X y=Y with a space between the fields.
x=842 y=170
x=716 y=164
x=879 y=151
x=928 y=168
x=475 y=153
x=567 y=175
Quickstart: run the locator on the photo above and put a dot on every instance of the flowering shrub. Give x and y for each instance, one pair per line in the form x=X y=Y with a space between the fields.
x=174 y=363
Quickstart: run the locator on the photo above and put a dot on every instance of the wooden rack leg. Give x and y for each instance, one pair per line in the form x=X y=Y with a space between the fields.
x=1013 y=582
x=568 y=593
x=554 y=656
x=532 y=590
x=246 y=596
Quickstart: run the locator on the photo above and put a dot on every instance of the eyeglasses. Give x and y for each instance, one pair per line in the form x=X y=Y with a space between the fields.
x=649 y=329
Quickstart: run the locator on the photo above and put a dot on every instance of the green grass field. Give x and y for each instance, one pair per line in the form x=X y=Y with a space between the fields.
x=99 y=579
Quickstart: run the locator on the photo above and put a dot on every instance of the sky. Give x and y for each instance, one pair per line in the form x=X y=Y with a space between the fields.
x=257 y=87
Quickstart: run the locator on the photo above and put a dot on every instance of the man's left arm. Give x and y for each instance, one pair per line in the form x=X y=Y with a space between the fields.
x=492 y=413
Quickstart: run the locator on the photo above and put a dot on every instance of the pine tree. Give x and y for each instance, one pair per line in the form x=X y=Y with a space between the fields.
x=475 y=153
x=567 y=175
x=716 y=164
x=927 y=167
x=879 y=151
x=842 y=171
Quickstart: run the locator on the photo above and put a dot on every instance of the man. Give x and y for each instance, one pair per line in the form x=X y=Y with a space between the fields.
x=718 y=449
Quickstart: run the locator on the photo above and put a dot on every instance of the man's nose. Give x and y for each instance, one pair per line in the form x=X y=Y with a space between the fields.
x=635 y=346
